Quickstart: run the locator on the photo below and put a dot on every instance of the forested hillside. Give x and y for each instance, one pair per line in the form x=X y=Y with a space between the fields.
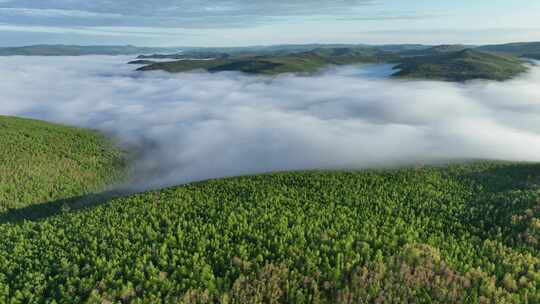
x=42 y=162
x=458 y=234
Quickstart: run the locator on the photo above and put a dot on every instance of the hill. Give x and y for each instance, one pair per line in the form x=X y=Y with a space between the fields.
x=444 y=62
x=77 y=50
x=523 y=49
x=42 y=162
x=142 y=62
x=458 y=234
x=250 y=51
x=305 y=62
x=434 y=50
x=399 y=48
x=189 y=55
x=461 y=66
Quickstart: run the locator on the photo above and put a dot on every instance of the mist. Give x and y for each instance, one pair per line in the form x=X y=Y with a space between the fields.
x=195 y=126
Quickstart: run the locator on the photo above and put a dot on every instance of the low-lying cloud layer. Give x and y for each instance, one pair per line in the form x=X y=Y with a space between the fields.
x=196 y=126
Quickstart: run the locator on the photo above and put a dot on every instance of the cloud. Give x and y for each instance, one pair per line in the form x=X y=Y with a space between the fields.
x=53 y=13
x=99 y=31
x=192 y=7
x=196 y=126
x=189 y=13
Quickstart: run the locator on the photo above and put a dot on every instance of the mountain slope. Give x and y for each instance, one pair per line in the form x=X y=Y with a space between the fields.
x=42 y=162
x=461 y=66
x=427 y=235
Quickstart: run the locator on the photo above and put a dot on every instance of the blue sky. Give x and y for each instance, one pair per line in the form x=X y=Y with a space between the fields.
x=256 y=22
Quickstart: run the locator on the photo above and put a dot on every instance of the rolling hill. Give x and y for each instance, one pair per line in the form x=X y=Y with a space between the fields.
x=417 y=61
x=305 y=62
x=42 y=162
x=78 y=50
x=462 y=65
x=434 y=50
x=524 y=49
x=444 y=62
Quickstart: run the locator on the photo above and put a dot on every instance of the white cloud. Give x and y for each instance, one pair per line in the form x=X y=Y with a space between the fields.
x=181 y=8
x=29 y=12
x=198 y=125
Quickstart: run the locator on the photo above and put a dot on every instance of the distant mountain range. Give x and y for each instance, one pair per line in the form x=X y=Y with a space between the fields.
x=525 y=49
x=77 y=50
x=441 y=62
x=519 y=49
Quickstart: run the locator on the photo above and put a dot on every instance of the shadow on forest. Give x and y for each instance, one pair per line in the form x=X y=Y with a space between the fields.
x=47 y=209
x=503 y=191
x=493 y=179
x=506 y=177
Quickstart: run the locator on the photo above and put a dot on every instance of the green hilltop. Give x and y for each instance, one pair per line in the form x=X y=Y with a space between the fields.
x=434 y=50
x=251 y=63
x=42 y=162
x=462 y=65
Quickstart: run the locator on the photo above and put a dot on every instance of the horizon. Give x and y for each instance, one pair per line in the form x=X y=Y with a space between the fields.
x=266 y=45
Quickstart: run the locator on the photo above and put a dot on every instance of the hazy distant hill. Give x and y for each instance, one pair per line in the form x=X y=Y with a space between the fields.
x=399 y=48
x=529 y=49
x=461 y=66
x=526 y=49
x=254 y=51
x=448 y=62
x=434 y=50
x=193 y=54
x=76 y=50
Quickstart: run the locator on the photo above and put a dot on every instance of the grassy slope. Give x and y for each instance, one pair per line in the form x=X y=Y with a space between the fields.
x=305 y=62
x=42 y=162
x=461 y=66
x=459 y=234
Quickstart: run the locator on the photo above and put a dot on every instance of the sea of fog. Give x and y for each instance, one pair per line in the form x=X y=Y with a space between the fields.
x=188 y=127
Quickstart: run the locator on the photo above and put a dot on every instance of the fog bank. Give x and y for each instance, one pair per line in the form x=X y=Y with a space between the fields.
x=195 y=126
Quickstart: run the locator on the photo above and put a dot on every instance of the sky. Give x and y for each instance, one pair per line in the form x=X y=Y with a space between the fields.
x=257 y=22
